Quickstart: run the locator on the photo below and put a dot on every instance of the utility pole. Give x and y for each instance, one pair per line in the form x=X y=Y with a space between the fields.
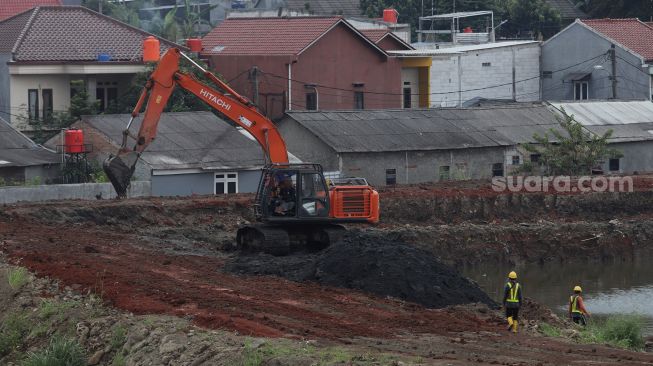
x=99 y=4
x=253 y=76
x=613 y=76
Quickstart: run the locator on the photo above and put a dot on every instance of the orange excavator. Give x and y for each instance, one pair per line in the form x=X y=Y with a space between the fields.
x=295 y=207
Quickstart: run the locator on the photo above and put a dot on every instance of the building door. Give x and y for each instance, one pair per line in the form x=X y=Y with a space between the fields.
x=226 y=183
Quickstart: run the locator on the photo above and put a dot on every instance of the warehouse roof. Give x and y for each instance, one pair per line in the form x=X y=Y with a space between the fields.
x=17 y=149
x=427 y=129
x=187 y=140
x=628 y=120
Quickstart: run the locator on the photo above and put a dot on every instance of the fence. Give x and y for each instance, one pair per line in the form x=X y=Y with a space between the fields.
x=82 y=191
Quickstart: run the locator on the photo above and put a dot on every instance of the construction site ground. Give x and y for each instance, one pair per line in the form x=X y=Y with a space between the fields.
x=166 y=270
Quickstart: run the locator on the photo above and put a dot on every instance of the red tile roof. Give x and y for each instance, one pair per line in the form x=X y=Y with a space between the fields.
x=71 y=33
x=630 y=33
x=375 y=35
x=9 y=8
x=267 y=36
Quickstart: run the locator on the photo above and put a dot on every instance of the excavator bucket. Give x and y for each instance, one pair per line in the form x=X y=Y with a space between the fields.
x=119 y=174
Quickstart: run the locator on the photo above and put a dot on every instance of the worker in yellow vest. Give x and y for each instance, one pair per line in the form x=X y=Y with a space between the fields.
x=512 y=300
x=577 y=311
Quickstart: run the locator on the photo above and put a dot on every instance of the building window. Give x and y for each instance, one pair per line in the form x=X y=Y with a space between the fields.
x=581 y=90
x=516 y=160
x=408 y=97
x=106 y=93
x=444 y=172
x=390 y=177
x=535 y=158
x=547 y=74
x=497 y=170
x=226 y=183
x=614 y=165
x=311 y=101
x=47 y=104
x=33 y=104
x=359 y=100
x=487 y=64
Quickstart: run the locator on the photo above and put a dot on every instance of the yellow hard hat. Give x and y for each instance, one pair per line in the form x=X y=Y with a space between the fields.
x=578 y=289
x=512 y=275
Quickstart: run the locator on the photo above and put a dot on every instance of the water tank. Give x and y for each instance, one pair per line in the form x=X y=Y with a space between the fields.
x=390 y=15
x=74 y=141
x=195 y=44
x=151 y=49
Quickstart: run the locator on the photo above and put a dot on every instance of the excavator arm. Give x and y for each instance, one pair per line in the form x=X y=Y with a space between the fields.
x=163 y=81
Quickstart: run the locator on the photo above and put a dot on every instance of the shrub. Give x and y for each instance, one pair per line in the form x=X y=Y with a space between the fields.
x=17 y=277
x=60 y=352
x=549 y=330
x=623 y=331
x=12 y=331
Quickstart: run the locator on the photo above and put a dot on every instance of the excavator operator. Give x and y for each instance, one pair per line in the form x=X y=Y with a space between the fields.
x=284 y=197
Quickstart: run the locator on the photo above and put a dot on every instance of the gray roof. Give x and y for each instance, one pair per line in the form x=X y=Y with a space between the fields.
x=628 y=120
x=18 y=150
x=428 y=129
x=187 y=140
x=567 y=9
x=327 y=7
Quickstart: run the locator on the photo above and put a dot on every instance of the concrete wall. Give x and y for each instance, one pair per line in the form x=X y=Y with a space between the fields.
x=20 y=84
x=201 y=183
x=5 y=100
x=637 y=157
x=577 y=45
x=306 y=146
x=422 y=166
x=451 y=74
x=85 y=191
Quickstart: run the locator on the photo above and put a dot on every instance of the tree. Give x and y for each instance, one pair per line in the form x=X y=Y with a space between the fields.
x=534 y=16
x=126 y=12
x=572 y=151
x=183 y=23
x=642 y=9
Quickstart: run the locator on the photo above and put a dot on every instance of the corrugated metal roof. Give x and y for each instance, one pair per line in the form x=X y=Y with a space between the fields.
x=326 y=7
x=628 y=120
x=427 y=129
x=608 y=113
x=18 y=150
x=188 y=140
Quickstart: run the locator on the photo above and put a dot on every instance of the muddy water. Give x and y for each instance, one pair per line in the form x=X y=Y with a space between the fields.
x=622 y=287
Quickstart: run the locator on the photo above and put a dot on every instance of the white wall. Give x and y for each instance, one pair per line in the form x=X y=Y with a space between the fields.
x=410 y=75
x=20 y=84
x=451 y=74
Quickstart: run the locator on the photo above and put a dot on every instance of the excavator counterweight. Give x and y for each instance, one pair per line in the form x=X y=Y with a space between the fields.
x=294 y=204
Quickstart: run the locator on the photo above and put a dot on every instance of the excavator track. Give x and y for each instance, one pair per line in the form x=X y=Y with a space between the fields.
x=283 y=240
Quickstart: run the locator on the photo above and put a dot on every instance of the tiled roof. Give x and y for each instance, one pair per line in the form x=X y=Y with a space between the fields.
x=267 y=36
x=326 y=7
x=71 y=33
x=375 y=35
x=9 y=8
x=630 y=33
x=567 y=9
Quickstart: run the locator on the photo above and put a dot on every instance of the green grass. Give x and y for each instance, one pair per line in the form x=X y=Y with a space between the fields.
x=549 y=330
x=119 y=359
x=60 y=352
x=118 y=336
x=12 y=331
x=17 y=277
x=624 y=331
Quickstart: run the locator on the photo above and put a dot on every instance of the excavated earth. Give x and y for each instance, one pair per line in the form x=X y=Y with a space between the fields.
x=384 y=289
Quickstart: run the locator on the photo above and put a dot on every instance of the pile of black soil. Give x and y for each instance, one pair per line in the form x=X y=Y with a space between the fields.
x=373 y=264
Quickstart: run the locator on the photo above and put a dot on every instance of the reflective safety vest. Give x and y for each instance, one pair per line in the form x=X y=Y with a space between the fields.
x=573 y=300
x=512 y=296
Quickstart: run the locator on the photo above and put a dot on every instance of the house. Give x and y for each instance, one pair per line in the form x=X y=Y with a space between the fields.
x=462 y=73
x=599 y=59
x=304 y=63
x=21 y=160
x=9 y=8
x=193 y=153
x=48 y=54
x=631 y=123
x=419 y=145
x=569 y=10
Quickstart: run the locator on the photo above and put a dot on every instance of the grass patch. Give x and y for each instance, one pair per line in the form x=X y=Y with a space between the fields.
x=49 y=308
x=118 y=336
x=12 y=331
x=549 y=330
x=60 y=352
x=119 y=359
x=17 y=277
x=624 y=331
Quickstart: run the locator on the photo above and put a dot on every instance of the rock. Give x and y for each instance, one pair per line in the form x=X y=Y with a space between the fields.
x=96 y=358
x=257 y=343
x=82 y=332
x=172 y=343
